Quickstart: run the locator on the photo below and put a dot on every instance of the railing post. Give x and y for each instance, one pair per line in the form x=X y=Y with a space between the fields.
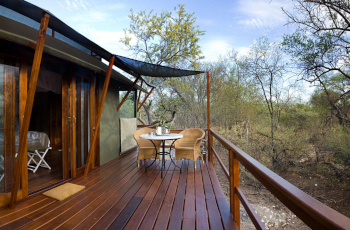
x=210 y=152
x=234 y=183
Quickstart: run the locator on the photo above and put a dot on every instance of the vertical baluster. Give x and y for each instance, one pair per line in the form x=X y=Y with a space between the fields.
x=211 y=145
x=234 y=183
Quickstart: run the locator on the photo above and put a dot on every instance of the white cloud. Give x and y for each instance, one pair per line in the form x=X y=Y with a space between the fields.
x=75 y=4
x=213 y=49
x=206 y=22
x=242 y=50
x=90 y=16
x=91 y=11
x=216 y=47
x=109 y=40
x=263 y=14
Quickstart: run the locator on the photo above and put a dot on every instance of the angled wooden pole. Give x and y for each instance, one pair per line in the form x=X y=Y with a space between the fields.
x=139 y=97
x=127 y=94
x=144 y=100
x=98 y=115
x=29 y=106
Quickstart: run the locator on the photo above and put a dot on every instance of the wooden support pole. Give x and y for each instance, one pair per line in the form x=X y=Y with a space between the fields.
x=29 y=106
x=234 y=180
x=231 y=180
x=99 y=114
x=139 y=97
x=135 y=103
x=127 y=94
x=145 y=99
x=210 y=138
x=23 y=88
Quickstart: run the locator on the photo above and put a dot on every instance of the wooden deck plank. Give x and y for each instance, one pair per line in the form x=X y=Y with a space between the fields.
x=119 y=195
x=85 y=212
x=45 y=210
x=109 y=202
x=33 y=208
x=106 y=170
x=213 y=210
x=16 y=224
x=22 y=205
x=178 y=206
x=226 y=217
x=139 y=214
x=152 y=213
x=77 y=205
x=45 y=216
x=109 y=219
x=165 y=211
x=126 y=214
x=201 y=208
x=189 y=218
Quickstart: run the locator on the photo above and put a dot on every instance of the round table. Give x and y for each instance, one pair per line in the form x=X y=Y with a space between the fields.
x=163 y=138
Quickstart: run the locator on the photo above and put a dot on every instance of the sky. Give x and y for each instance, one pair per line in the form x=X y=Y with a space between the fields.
x=228 y=24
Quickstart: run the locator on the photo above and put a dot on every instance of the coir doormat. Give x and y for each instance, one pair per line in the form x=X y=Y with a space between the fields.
x=63 y=191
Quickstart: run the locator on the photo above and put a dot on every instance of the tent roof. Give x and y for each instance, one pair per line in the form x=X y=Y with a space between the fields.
x=24 y=35
x=130 y=66
x=147 y=69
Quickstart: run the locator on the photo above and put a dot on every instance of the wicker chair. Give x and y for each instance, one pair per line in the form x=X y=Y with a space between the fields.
x=189 y=146
x=146 y=148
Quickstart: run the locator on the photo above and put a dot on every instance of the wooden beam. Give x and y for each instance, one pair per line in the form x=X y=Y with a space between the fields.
x=23 y=88
x=234 y=164
x=144 y=100
x=29 y=106
x=210 y=139
x=99 y=114
x=32 y=45
x=139 y=97
x=127 y=94
x=135 y=103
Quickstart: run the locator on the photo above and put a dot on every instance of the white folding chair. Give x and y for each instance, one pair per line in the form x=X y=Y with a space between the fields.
x=38 y=145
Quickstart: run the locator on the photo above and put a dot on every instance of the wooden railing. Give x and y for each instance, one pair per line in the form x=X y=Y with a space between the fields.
x=314 y=213
x=146 y=126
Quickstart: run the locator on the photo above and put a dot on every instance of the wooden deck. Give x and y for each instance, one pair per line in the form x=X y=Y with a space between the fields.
x=119 y=195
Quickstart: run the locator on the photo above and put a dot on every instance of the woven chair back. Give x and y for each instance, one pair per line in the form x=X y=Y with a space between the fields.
x=191 y=135
x=143 y=142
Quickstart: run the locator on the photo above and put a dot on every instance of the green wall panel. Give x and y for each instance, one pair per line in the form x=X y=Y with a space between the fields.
x=109 y=126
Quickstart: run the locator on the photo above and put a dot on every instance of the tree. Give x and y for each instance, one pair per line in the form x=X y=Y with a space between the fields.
x=321 y=45
x=264 y=64
x=169 y=39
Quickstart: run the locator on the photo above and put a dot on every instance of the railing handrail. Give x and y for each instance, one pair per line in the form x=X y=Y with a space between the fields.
x=313 y=212
x=145 y=126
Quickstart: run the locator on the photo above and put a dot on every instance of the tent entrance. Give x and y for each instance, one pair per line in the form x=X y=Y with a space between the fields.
x=47 y=118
